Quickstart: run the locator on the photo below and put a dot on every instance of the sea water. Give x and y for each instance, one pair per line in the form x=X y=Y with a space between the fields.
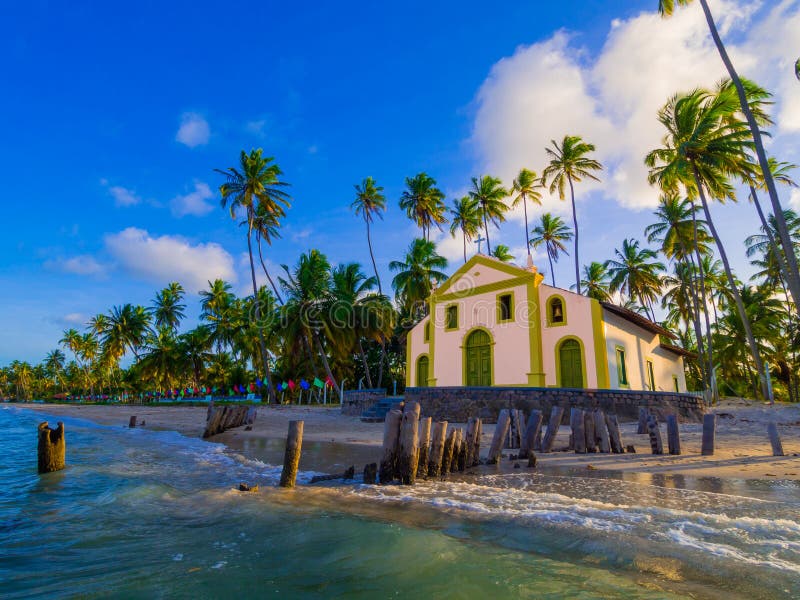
x=147 y=514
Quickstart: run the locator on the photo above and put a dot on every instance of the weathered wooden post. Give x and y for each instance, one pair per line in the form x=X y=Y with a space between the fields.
x=291 y=458
x=673 y=435
x=408 y=456
x=601 y=432
x=613 y=433
x=556 y=414
x=476 y=451
x=209 y=410
x=462 y=450
x=775 y=439
x=437 y=449
x=447 y=454
x=534 y=427
x=391 y=437
x=588 y=428
x=52 y=451
x=656 y=444
x=469 y=438
x=642 y=428
x=578 y=435
x=424 y=445
x=132 y=421
x=500 y=432
x=709 y=434
x=371 y=473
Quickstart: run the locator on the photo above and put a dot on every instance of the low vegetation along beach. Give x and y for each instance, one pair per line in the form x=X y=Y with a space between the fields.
x=418 y=301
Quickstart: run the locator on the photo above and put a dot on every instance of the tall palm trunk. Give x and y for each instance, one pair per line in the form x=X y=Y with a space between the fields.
x=256 y=303
x=486 y=229
x=527 y=233
x=552 y=272
x=380 y=291
x=748 y=330
x=464 y=238
x=575 y=225
x=694 y=307
x=266 y=272
x=712 y=377
x=364 y=362
x=325 y=362
x=783 y=231
x=772 y=241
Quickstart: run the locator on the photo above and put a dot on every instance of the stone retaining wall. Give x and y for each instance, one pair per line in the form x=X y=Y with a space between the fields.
x=357 y=401
x=457 y=404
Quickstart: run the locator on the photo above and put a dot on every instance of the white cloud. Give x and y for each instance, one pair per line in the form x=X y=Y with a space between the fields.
x=74 y=319
x=549 y=89
x=194 y=203
x=194 y=130
x=83 y=264
x=170 y=258
x=123 y=196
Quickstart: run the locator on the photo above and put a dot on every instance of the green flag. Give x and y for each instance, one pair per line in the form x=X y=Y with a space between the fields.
x=318 y=383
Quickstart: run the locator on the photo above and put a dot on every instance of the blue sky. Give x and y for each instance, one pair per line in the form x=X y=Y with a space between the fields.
x=114 y=116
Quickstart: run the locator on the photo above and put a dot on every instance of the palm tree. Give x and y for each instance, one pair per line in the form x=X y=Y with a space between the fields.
x=570 y=164
x=553 y=233
x=526 y=185
x=54 y=363
x=126 y=329
x=415 y=274
x=168 y=311
x=195 y=346
x=595 y=282
x=666 y=8
x=423 y=203
x=502 y=253
x=255 y=182
x=489 y=193
x=465 y=217
x=703 y=148
x=266 y=226
x=635 y=272
x=369 y=202
x=215 y=308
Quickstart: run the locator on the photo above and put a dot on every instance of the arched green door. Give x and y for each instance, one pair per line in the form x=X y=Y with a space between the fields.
x=478 y=357
x=570 y=365
x=422 y=371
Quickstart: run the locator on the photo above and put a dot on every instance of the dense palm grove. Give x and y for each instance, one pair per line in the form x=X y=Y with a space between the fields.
x=315 y=321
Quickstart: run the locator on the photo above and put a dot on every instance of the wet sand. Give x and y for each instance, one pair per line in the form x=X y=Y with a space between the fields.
x=333 y=442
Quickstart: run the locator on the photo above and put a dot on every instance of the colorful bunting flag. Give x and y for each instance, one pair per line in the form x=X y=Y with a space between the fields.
x=304 y=384
x=291 y=384
x=318 y=382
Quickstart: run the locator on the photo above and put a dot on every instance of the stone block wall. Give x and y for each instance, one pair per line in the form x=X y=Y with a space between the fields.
x=457 y=404
x=356 y=402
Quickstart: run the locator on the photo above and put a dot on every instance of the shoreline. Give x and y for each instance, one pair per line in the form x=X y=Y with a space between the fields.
x=333 y=442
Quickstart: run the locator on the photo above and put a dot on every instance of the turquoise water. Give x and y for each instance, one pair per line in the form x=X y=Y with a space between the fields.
x=146 y=514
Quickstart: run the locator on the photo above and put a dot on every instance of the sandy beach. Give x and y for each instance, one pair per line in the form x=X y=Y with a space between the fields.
x=332 y=440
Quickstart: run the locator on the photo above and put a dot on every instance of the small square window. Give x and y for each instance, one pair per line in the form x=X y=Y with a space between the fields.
x=427 y=332
x=451 y=320
x=505 y=307
x=675 y=383
x=651 y=379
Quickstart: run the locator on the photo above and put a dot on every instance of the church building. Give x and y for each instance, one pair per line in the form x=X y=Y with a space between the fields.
x=496 y=324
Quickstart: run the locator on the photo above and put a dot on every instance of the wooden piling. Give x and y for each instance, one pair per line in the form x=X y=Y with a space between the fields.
x=291 y=458
x=437 y=448
x=642 y=428
x=462 y=450
x=424 y=446
x=469 y=439
x=408 y=455
x=556 y=414
x=673 y=435
x=132 y=421
x=613 y=433
x=209 y=410
x=371 y=473
x=52 y=450
x=447 y=454
x=476 y=450
x=775 y=439
x=656 y=445
x=532 y=431
x=709 y=434
x=578 y=434
x=500 y=432
x=391 y=438
x=589 y=434
x=601 y=431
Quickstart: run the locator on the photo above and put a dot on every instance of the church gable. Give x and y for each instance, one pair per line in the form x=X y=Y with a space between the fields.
x=482 y=274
